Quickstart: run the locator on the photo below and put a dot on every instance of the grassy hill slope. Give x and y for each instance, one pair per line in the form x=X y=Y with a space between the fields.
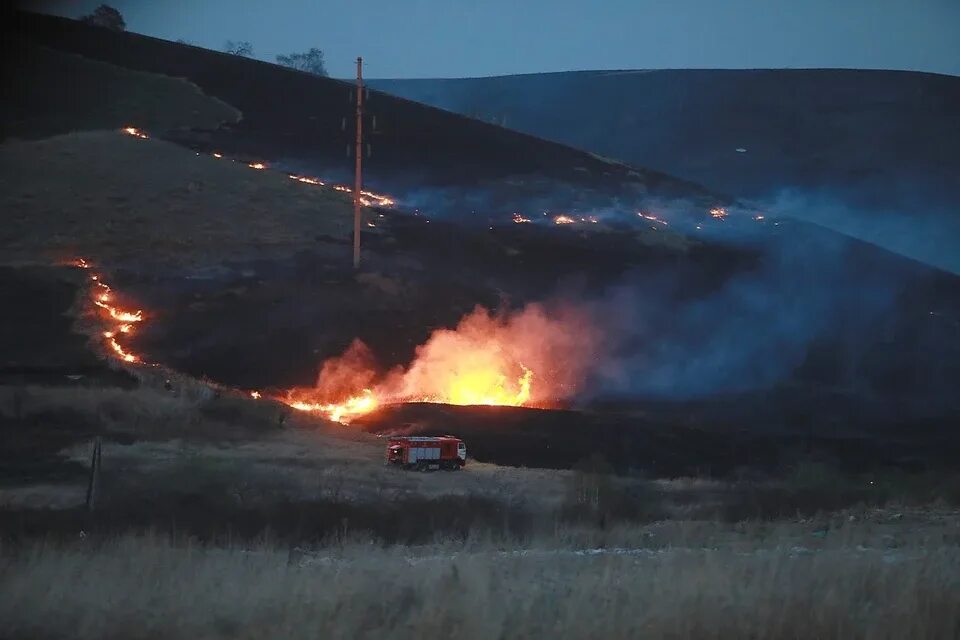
x=297 y=118
x=869 y=153
x=154 y=203
x=78 y=94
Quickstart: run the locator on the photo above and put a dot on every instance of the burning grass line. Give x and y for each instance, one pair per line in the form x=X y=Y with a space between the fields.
x=367 y=198
x=120 y=320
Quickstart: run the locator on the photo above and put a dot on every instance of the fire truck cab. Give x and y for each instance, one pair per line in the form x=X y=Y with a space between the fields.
x=426 y=452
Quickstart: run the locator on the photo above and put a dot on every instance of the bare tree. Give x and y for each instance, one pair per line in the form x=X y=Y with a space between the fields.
x=239 y=48
x=107 y=17
x=310 y=61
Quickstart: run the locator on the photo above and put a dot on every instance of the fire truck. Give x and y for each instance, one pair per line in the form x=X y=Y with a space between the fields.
x=426 y=452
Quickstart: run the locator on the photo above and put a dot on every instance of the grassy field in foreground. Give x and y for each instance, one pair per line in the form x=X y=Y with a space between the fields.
x=146 y=587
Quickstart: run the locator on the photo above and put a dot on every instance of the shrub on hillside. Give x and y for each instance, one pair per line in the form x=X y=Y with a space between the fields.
x=238 y=48
x=310 y=62
x=107 y=17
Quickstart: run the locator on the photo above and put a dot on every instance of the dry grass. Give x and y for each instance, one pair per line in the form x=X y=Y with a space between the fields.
x=155 y=204
x=146 y=587
x=166 y=440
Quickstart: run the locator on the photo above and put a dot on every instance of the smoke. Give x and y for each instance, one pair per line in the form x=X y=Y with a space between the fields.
x=929 y=235
x=536 y=356
x=487 y=356
x=754 y=331
x=644 y=336
x=811 y=305
x=343 y=375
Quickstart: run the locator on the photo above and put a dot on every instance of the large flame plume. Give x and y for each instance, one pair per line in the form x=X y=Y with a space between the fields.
x=534 y=357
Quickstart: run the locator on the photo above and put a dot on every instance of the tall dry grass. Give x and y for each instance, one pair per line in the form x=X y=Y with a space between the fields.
x=146 y=587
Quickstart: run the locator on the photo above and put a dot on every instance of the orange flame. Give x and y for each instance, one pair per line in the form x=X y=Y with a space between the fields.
x=563 y=219
x=528 y=358
x=123 y=355
x=136 y=133
x=342 y=412
x=367 y=198
x=519 y=219
x=101 y=295
x=652 y=218
x=719 y=213
x=307 y=180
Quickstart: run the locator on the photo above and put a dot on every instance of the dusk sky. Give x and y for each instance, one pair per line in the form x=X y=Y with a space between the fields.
x=451 y=38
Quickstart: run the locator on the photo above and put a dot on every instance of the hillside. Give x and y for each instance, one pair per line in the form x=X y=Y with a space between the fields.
x=77 y=94
x=432 y=158
x=870 y=153
x=716 y=319
x=146 y=188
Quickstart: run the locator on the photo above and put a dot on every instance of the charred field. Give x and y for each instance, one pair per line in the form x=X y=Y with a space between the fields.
x=694 y=336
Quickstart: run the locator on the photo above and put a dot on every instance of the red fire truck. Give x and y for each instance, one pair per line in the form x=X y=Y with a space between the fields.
x=426 y=452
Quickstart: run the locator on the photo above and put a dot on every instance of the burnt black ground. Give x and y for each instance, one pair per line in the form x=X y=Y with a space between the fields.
x=664 y=440
x=269 y=324
x=39 y=348
x=37 y=342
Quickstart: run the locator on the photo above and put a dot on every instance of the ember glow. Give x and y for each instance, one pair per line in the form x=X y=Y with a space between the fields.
x=306 y=180
x=519 y=219
x=527 y=358
x=367 y=198
x=136 y=133
x=118 y=321
x=718 y=212
x=652 y=218
x=565 y=219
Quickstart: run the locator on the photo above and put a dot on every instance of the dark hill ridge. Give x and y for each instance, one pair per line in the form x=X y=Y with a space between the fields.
x=870 y=153
x=296 y=119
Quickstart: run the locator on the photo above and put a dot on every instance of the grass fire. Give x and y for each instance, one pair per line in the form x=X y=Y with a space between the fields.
x=529 y=358
x=291 y=351
x=117 y=320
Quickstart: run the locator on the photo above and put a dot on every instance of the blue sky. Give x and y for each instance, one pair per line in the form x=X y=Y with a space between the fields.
x=453 y=38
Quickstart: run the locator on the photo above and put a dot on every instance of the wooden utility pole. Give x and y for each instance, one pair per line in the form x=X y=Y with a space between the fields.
x=93 y=485
x=358 y=181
